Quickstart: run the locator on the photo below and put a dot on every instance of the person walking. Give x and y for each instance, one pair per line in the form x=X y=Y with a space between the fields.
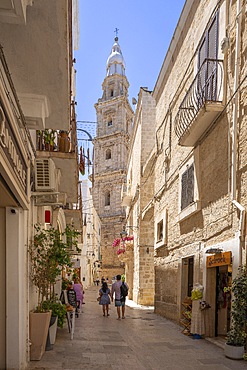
x=104 y=294
x=116 y=292
x=124 y=292
x=78 y=288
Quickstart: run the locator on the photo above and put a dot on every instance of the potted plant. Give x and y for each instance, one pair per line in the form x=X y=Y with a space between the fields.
x=58 y=313
x=49 y=139
x=236 y=337
x=49 y=253
x=64 y=141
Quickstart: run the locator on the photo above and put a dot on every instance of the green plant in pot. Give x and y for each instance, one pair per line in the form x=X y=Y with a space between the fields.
x=236 y=337
x=50 y=252
x=49 y=138
x=58 y=310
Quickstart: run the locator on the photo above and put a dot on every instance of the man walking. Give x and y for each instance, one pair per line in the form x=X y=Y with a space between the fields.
x=118 y=293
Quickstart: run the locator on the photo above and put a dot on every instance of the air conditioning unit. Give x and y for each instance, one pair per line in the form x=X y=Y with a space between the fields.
x=47 y=199
x=45 y=175
x=126 y=196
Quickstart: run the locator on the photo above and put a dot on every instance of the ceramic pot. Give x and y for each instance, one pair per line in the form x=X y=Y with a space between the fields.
x=38 y=329
x=53 y=329
x=234 y=352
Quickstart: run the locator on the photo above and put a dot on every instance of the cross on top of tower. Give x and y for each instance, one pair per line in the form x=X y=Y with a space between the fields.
x=116 y=32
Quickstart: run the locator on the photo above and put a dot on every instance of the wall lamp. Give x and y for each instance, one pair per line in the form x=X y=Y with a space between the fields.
x=214 y=251
x=91 y=253
x=124 y=233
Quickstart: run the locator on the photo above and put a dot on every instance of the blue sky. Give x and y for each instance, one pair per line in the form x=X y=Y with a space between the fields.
x=145 y=31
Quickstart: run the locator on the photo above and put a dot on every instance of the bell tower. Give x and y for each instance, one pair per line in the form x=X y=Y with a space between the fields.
x=111 y=144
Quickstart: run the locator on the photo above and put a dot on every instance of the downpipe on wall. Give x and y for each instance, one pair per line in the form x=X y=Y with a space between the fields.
x=241 y=231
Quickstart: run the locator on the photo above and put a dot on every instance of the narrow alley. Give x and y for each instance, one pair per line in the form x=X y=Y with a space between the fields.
x=143 y=340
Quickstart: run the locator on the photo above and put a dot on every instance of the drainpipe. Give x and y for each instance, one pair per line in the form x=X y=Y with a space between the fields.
x=235 y=133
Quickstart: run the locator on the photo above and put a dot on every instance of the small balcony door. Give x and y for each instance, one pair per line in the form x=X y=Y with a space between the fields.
x=207 y=65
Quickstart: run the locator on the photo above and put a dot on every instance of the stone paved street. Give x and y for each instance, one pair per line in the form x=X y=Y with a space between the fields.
x=143 y=340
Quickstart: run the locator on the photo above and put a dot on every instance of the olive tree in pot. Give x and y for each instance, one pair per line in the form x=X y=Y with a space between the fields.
x=236 y=337
x=49 y=252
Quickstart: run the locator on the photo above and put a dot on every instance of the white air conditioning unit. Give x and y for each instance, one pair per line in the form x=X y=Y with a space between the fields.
x=126 y=196
x=49 y=199
x=45 y=175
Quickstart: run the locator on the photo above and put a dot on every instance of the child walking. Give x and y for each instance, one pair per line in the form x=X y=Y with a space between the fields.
x=104 y=293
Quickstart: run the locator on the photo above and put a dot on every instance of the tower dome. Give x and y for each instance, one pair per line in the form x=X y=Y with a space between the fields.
x=115 y=62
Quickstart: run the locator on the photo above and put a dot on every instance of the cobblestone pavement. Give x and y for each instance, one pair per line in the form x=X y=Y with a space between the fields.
x=143 y=340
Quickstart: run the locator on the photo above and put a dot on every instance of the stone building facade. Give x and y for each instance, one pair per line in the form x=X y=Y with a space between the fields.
x=38 y=175
x=191 y=200
x=114 y=124
x=140 y=187
x=200 y=171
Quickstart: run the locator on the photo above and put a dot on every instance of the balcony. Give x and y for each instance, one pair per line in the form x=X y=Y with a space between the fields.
x=14 y=11
x=126 y=196
x=42 y=75
x=61 y=147
x=201 y=104
x=54 y=141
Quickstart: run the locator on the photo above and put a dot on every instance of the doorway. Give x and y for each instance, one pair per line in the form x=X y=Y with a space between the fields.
x=223 y=300
x=187 y=276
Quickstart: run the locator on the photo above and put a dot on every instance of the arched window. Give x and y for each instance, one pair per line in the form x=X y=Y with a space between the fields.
x=109 y=123
x=108 y=154
x=107 y=198
x=111 y=93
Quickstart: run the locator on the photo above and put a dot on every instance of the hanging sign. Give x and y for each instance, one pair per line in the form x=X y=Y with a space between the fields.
x=219 y=259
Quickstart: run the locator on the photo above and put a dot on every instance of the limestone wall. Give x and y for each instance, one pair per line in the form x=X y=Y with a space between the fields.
x=217 y=220
x=142 y=143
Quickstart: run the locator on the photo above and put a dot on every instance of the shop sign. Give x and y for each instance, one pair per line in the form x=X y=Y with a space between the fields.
x=219 y=259
x=11 y=149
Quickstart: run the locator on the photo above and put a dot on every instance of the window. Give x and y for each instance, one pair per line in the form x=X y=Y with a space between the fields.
x=109 y=123
x=107 y=198
x=112 y=93
x=108 y=154
x=160 y=231
x=207 y=65
x=209 y=44
x=189 y=180
x=187 y=276
x=187 y=187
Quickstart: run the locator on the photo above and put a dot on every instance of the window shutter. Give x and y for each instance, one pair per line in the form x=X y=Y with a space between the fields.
x=202 y=72
x=187 y=187
x=212 y=54
x=183 y=186
x=212 y=39
x=202 y=53
x=190 y=185
x=207 y=69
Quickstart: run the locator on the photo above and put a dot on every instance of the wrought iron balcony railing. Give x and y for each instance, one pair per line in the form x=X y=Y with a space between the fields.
x=207 y=87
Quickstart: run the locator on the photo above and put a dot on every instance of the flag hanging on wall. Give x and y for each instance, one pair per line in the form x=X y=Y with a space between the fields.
x=82 y=162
